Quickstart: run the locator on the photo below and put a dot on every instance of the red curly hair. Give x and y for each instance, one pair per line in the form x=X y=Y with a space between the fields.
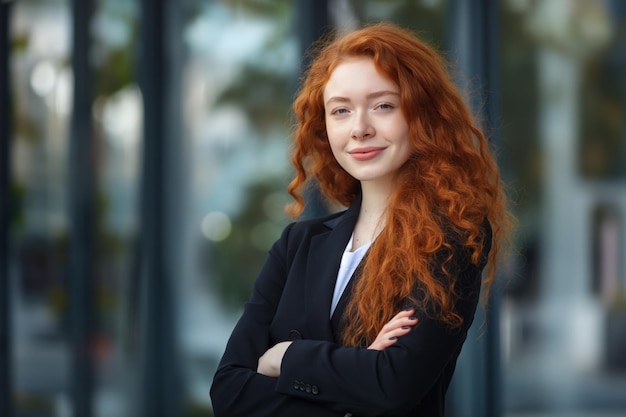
x=451 y=182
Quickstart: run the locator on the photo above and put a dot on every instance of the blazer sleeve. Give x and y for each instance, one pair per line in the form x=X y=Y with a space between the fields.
x=382 y=383
x=237 y=389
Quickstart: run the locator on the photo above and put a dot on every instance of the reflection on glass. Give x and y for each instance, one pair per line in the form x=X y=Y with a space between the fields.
x=238 y=82
x=427 y=17
x=41 y=87
x=562 y=89
x=42 y=83
x=117 y=136
x=563 y=78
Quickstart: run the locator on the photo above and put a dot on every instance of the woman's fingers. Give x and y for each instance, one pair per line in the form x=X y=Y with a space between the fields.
x=269 y=363
x=403 y=317
x=398 y=326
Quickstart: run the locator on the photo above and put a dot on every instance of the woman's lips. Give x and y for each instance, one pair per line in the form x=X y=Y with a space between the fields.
x=364 y=154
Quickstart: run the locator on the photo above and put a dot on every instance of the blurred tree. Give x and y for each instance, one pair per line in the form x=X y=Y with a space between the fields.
x=520 y=158
x=263 y=89
x=266 y=8
x=262 y=94
x=425 y=17
x=602 y=146
x=237 y=260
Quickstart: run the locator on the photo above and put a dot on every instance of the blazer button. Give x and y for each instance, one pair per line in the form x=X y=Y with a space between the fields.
x=314 y=389
x=301 y=386
x=296 y=384
x=294 y=335
x=308 y=388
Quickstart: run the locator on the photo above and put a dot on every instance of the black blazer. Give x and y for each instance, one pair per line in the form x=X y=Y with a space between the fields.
x=291 y=301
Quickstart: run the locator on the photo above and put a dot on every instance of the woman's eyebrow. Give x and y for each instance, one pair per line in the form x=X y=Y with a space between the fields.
x=378 y=94
x=337 y=99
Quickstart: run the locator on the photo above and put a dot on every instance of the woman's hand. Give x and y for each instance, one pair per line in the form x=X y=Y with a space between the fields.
x=270 y=361
x=402 y=323
x=399 y=325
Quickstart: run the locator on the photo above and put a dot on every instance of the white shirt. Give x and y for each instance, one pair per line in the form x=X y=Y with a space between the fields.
x=349 y=262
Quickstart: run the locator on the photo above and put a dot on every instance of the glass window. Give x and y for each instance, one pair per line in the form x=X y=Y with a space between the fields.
x=117 y=136
x=563 y=152
x=427 y=18
x=563 y=74
x=238 y=81
x=42 y=89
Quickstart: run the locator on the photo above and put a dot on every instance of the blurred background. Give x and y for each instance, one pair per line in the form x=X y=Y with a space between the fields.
x=143 y=166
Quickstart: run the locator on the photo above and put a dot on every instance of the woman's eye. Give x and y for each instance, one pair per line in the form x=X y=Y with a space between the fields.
x=385 y=106
x=340 y=111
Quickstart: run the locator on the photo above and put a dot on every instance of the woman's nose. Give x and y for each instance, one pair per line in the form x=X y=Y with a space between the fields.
x=362 y=128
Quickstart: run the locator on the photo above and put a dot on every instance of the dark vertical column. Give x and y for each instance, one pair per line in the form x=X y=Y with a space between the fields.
x=160 y=378
x=82 y=213
x=618 y=10
x=312 y=21
x=472 y=27
x=6 y=405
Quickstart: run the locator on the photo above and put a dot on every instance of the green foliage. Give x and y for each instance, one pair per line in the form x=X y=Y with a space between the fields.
x=236 y=261
x=267 y=8
x=262 y=94
x=198 y=410
x=602 y=148
x=521 y=154
x=425 y=20
x=20 y=42
x=115 y=72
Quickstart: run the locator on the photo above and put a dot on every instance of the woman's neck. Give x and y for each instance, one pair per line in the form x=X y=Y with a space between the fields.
x=375 y=196
x=371 y=219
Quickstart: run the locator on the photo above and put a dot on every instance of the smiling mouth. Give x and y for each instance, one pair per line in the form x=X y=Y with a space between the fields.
x=364 y=154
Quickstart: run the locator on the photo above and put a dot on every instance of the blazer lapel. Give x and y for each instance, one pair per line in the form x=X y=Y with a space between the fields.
x=323 y=263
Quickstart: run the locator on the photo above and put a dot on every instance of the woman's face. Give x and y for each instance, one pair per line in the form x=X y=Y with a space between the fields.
x=366 y=128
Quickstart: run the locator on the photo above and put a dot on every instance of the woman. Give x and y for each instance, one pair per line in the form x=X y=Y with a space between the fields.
x=364 y=312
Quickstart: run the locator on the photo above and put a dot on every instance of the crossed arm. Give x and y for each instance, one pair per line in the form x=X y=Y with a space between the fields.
x=399 y=325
